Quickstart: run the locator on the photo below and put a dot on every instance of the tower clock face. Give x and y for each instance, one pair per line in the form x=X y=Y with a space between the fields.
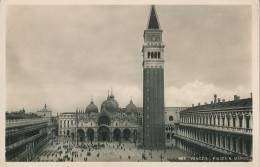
x=153 y=38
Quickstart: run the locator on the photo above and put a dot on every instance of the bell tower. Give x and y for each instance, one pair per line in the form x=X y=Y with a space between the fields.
x=153 y=84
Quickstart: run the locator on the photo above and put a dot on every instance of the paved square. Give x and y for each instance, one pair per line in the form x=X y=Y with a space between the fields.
x=66 y=150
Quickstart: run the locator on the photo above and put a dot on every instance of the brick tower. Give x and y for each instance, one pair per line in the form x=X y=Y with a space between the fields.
x=153 y=84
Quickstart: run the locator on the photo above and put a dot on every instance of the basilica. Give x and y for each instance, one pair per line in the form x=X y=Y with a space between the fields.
x=112 y=123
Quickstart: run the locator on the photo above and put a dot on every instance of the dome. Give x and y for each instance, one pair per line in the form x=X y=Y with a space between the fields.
x=110 y=104
x=131 y=108
x=91 y=108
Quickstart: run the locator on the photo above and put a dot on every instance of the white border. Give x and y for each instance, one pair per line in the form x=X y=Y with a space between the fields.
x=255 y=77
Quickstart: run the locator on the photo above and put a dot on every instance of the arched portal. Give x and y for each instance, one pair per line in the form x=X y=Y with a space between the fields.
x=127 y=134
x=81 y=135
x=104 y=120
x=90 y=134
x=117 y=134
x=103 y=133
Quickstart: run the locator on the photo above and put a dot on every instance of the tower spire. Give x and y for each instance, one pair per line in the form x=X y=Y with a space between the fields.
x=153 y=22
x=112 y=95
x=92 y=101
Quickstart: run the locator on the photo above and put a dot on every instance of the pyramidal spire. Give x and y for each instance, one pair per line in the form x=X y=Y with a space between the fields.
x=111 y=94
x=153 y=22
x=92 y=101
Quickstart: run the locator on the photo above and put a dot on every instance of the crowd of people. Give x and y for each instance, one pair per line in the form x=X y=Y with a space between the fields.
x=61 y=150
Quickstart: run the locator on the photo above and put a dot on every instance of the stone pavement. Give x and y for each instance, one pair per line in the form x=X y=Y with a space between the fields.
x=66 y=150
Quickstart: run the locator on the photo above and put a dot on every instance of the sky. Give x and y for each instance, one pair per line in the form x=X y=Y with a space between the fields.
x=64 y=55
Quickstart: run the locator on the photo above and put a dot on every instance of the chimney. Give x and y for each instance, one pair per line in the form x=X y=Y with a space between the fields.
x=235 y=97
x=199 y=104
x=223 y=100
x=215 y=98
x=218 y=100
x=192 y=105
x=205 y=103
x=251 y=95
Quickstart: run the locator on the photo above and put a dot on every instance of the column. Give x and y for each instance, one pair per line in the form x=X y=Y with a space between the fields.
x=244 y=121
x=216 y=140
x=244 y=146
x=221 y=141
x=231 y=143
x=237 y=145
x=250 y=122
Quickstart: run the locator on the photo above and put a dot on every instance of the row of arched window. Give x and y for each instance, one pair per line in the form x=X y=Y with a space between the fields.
x=153 y=55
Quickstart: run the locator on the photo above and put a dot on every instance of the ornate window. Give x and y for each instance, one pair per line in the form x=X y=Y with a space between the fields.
x=247 y=123
x=240 y=122
x=159 y=55
x=155 y=55
x=234 y=122
x=148 y=55
x=171 y=118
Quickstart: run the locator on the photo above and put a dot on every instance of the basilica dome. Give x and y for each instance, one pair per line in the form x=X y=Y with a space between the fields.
x=110 y=104
x=91 y=108
x=131 y=108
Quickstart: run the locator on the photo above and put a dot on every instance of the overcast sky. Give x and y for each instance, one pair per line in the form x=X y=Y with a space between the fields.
x=62 y=55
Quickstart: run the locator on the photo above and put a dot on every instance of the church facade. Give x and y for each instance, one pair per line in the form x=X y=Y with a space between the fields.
x=110 y=124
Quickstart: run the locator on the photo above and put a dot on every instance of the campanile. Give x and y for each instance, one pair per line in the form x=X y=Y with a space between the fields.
x=153 y=84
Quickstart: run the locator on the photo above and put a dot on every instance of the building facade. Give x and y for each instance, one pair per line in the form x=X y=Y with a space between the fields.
x=220 y=129
x=110 y=124
x=153 y=84
x=24 y=138
x=44 y=112
x=172 y=117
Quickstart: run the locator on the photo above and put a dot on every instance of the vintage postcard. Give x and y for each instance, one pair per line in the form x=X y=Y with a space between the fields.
x=94 y=83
